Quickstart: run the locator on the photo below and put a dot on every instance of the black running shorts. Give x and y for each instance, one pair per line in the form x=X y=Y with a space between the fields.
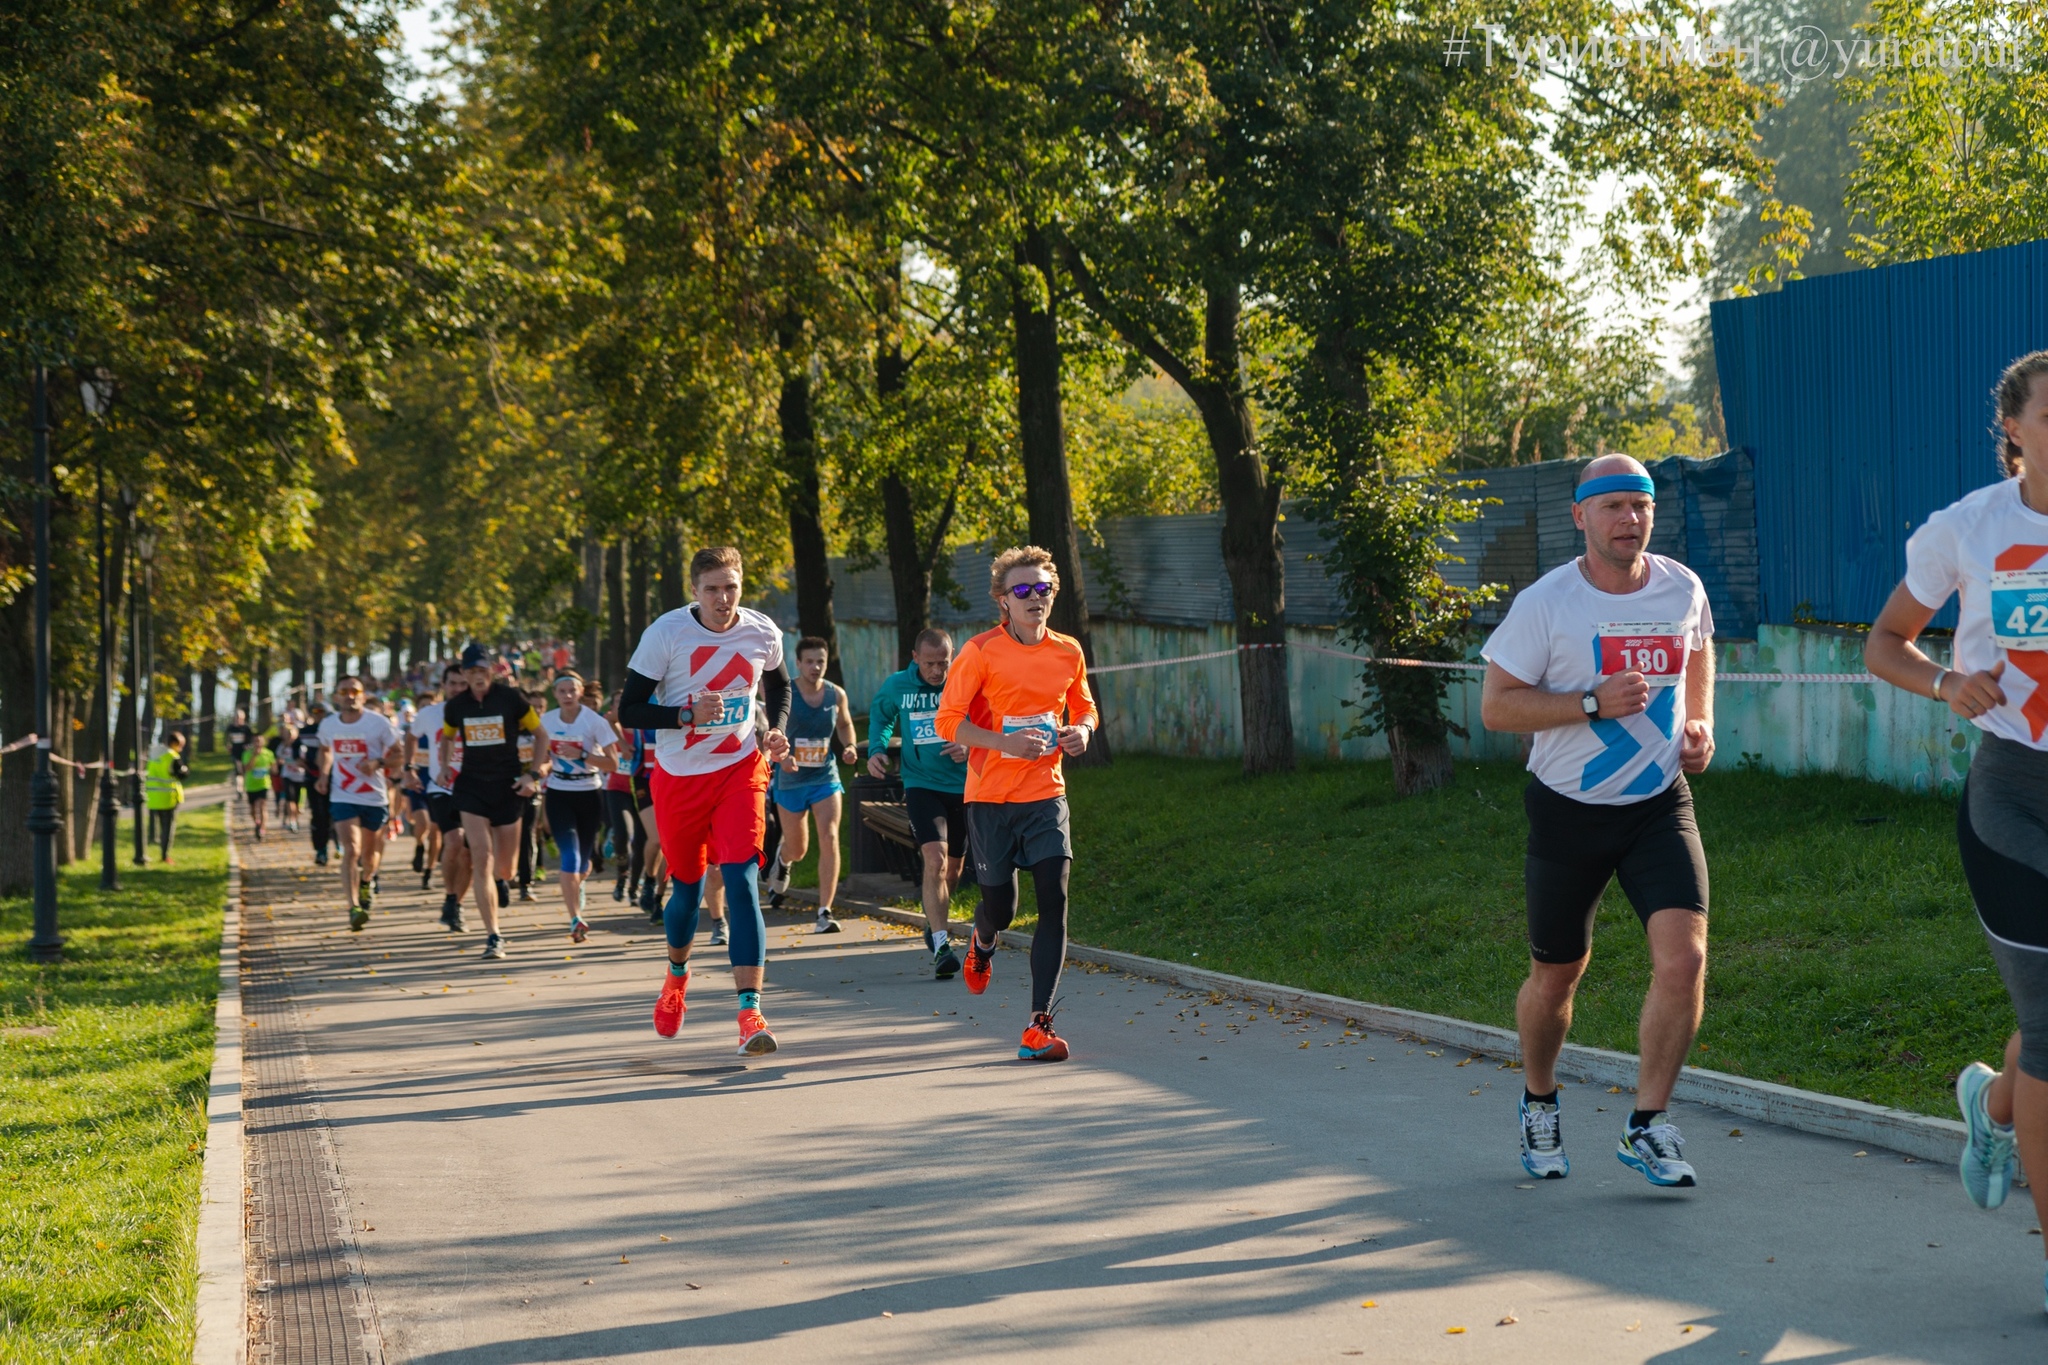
x=441 y=810
x=937 y=818
x=500 y=809
x=1576 y=848
x=1007 y=835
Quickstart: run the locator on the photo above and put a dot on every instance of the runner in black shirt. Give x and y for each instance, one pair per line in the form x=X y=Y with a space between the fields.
x=494 y=787
x=239 y=735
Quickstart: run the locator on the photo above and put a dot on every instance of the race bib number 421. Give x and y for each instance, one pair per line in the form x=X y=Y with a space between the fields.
x=1654 y=649
x=2019 y=608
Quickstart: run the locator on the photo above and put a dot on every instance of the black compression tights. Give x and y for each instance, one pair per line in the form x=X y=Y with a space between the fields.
x=1049 y=944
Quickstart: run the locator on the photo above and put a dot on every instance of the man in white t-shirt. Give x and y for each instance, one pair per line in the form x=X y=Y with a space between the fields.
x=708 y=777
x=451 y=853
x=1608 y=661
x=359 y=752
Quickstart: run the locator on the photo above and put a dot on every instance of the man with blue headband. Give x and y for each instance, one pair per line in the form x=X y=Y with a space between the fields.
x=1606 y=661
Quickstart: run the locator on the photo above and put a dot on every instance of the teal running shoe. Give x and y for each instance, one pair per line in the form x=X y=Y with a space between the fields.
x=1987 y=1163
x=1657 y=1150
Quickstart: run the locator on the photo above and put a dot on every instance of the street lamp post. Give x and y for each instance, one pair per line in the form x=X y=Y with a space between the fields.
x=97 y=392
x=129 y=498
x=45 y=944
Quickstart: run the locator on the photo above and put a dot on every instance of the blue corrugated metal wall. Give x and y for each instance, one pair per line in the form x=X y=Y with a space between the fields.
x=1864 y=401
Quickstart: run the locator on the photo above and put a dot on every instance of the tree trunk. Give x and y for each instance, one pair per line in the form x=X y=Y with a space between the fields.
x=1042 y=433
x=209 y=705
x=803 y=498
x=614 y=665
x=298 y=694
x=17 y=718
x=317 y=684
x=245 y=694
x=589 y=602
x=910 y=577
x=1251 y=539
x=61 y=735
x=260 y=719
x=673 y=590
x=416 y=643
x=636 y=598
x=1420 y=766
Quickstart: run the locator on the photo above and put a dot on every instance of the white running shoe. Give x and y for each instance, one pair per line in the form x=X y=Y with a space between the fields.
x=1987 y=1163
x=1543 y=1141
x=826 y=924
x=1656 y=1150
x=777 y=880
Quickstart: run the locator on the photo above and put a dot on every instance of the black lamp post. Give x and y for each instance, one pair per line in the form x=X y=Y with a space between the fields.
x=129 y=498
x=45 y=944
x=96 y=390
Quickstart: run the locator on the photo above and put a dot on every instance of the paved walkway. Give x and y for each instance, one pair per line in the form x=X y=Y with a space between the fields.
x=530 y=1175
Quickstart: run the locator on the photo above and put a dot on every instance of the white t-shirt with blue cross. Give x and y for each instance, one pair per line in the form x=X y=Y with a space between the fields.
x=1562 y=634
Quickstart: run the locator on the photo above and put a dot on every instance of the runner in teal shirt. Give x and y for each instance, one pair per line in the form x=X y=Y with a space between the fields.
x=934 y=780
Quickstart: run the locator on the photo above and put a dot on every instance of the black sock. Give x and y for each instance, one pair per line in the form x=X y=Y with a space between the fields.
x=1528 y=1098
x=1640 y=1118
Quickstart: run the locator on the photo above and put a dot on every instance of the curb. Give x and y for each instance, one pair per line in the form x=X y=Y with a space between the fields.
x=1804 y=1111
x=222 y=1336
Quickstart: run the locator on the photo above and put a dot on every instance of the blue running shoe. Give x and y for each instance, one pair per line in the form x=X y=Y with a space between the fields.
x=1654 y=1149
x=1987 y=1163
x=1543 y=1141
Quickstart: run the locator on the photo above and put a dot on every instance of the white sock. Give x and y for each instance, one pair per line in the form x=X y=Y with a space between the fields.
x=939 y=937
x=824 y=911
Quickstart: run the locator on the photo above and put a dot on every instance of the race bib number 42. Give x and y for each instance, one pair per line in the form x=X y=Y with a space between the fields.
x=2019 y=608
x=1654 y=649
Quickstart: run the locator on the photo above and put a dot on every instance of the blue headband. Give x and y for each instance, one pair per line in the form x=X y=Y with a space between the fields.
x=1615 y=483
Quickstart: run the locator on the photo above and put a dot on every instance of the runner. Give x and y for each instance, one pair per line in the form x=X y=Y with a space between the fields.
x=239 y=736
x=493 y=785
x=293 y=773
x=258 y=769
x=454 y=860
x=807 y=781
x=934 y=779
x=320 y=813
x=1606 y=661
x=1991 y=549
x=360 y=750
x=582 y=749
x=163 y=791
x=531 y=831
x=629 y=836
x=709 y=778
x=1003 y=702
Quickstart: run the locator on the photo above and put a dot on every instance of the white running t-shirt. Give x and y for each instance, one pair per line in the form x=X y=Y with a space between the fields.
x=570 y=745
x=1562 y=634
x=713 y=673
x=358 y=748
x=1993 y=551
x=426 y=728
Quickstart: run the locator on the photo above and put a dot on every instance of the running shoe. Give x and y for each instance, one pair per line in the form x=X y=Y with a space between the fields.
x=1543 y=1141
x=578 y=930
x=777 y=880
x=826 y=924
x=494 y=946
x=718 y=933
x=358 y=919
x=504 y=893
x=363 y=895
x=419 y=857
x=451 y=914
x=1040 y=1043
x=525 y=895
x=669 y=1008
x=320 y=858
x=619 y=890
x=928 y=940
x=1987 y=1154
x=377 y=884
x=1654 y=1149
x=427 y=879
x=945 y=963
x=980 y=963
x=755 y=1039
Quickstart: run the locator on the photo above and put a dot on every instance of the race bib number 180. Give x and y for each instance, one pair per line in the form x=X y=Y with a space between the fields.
x=2019 y=608
x=1654 y=649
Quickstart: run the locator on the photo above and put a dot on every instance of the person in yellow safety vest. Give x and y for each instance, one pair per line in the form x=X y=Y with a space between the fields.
x=163 y=791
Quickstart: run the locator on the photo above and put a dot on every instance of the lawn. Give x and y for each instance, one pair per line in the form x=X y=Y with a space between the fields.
x=1844 y=954
x=104 y=1061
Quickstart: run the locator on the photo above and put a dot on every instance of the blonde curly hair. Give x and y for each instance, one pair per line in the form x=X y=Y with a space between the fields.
x=1019 y=557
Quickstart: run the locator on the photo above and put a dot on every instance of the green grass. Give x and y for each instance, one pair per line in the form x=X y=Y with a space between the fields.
x=103 y=1122
x=1844 y=956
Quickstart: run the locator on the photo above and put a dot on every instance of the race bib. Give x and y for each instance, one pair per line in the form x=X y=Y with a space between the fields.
x=1654 y=649
x=923 y=727
x=567 y=750
x=1045 y=721
x=483 y=730
x=722 y=713
x=349 y=754
x=2019 y=608
x=810 y=753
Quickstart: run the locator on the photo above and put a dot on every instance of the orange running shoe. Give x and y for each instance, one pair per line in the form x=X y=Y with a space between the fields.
x=668 y=1011
x=979 y=963
x=755 y=1039
x=1040 y=1043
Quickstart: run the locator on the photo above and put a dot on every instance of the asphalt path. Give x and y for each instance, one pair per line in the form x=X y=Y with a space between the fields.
x=539 y=1178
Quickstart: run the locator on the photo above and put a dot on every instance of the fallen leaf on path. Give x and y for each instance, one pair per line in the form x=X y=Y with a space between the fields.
x=688 y=1285
x=1370 y=1303
x=1475 y=1092
x=1734 y=1132
x=1509 y=1321
x=1635 y=1326
x=1454 y=1331
x=624 y=1261
x=1304 y=1045
x=887 y=1314
x=664 y=1237
x=1862 y=1154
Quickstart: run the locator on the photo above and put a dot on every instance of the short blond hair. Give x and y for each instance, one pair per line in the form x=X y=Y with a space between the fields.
x=1020 y=557
x=713 y=557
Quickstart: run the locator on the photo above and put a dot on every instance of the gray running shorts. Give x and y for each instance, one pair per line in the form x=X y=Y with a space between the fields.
x=1006 y=835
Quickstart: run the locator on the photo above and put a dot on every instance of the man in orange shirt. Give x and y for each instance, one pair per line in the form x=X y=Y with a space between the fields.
x=1004 y=700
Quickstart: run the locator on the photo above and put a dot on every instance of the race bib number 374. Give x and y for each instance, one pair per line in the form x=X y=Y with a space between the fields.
x=1654 y=649
x=2019 y=608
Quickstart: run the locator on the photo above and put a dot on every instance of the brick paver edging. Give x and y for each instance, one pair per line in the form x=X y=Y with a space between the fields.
x=222 y=1335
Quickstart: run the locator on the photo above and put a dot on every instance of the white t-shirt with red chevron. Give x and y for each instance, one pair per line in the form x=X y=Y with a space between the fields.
x=1991 y=550
x=713 y=672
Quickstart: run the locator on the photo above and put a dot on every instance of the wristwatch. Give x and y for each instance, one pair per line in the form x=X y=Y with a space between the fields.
x=1589 y=703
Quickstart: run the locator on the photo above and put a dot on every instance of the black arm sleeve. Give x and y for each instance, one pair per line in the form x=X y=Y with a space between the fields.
x=637 y=710
x=775 y=697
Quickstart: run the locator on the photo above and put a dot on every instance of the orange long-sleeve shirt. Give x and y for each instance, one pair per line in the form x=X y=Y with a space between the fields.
x=1004 y=686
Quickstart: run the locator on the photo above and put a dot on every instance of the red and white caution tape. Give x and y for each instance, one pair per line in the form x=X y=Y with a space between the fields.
x=1468 y=667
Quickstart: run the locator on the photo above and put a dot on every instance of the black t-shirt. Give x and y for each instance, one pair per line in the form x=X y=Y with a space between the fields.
x=239 y=736
x=490 y=730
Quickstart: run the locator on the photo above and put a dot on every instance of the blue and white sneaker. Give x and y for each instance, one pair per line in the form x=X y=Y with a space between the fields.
x=1654 y=1150
x=1543 y=1141
x=718 y=939
x=1987 y=1163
